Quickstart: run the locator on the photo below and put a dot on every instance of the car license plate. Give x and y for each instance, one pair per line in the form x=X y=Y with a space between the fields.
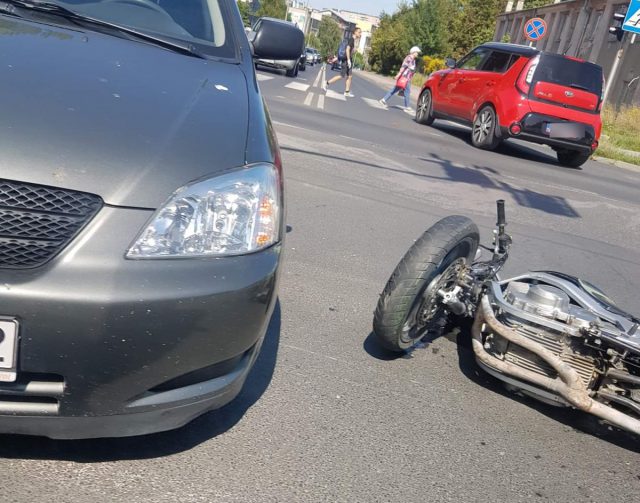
x=8 y=349
x=565 y=130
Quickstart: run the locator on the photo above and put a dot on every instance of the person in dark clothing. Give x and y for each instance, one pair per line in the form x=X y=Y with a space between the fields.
x=347 y=64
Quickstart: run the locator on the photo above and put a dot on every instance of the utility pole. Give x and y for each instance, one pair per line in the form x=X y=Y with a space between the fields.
x=616 y=29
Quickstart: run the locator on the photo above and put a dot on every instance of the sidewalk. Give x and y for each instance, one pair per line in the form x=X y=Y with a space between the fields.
x=385 y=84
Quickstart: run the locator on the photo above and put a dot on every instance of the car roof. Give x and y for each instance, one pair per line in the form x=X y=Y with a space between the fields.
x=522 y=50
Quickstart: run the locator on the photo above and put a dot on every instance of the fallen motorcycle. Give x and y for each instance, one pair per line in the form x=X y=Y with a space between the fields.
x=545 y=334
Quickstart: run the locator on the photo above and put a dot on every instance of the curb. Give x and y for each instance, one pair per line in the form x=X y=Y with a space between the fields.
x=618 y=164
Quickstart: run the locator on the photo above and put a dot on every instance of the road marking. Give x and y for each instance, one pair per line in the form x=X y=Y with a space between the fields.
x=284 y=124
x=262 y=77
x=298 y=86
x=309 y=99
x=374 y=103
x=335 y=96
x=321 y=101
x=316 y=83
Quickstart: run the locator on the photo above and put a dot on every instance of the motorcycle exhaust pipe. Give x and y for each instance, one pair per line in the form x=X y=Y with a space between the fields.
x=568 y=384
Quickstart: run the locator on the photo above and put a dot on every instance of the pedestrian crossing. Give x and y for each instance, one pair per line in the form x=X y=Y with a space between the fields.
x=316 y=94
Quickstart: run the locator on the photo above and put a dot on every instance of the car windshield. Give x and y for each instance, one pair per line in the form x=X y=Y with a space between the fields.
x=200 y=22
x=569 y=72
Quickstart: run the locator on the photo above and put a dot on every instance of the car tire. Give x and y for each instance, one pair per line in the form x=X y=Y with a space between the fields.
x=424 y=110
x=572 y=158
x=408 y=308
x=293 y=72
x=484 y=129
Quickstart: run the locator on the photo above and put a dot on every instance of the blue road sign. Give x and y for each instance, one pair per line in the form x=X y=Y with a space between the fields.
x=632 y=21
x=536 y=28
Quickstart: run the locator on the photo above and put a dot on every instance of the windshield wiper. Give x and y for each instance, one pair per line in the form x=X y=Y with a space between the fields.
x=58 y=10
x=578 y=86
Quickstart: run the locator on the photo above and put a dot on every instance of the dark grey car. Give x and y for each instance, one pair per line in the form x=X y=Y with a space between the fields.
x=141 y=212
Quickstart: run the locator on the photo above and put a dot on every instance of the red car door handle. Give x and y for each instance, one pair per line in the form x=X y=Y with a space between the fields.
x=490 y=83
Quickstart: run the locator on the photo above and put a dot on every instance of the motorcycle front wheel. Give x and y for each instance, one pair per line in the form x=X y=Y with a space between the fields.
x=410 y=306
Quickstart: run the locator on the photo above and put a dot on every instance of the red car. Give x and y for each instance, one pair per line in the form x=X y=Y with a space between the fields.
x=514 y=91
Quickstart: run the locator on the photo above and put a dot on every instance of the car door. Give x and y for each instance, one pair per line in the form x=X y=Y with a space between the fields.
x=466 y=83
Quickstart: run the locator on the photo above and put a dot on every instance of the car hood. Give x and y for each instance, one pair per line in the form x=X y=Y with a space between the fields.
x=128 y=121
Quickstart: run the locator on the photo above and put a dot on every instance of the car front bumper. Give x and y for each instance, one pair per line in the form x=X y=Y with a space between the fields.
x=278 y=64
x=114 y=347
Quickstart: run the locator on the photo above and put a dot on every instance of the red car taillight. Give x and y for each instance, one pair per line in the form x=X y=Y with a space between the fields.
x=526 y=75
x=602 y=94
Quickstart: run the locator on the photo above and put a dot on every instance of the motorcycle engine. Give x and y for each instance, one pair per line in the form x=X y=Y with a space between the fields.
x=545 y=314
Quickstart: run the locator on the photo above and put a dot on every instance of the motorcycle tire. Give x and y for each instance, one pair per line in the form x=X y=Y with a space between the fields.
x=409 y=307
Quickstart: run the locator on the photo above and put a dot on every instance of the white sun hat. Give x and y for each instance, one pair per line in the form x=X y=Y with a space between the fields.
x=415 y=48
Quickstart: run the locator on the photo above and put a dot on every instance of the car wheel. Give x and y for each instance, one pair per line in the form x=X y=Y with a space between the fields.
x=293 y=72
x=424 y=112
x=483 y=133
x=572 y=159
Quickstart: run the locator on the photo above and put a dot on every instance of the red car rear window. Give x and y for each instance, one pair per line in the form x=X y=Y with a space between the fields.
x=570 y=73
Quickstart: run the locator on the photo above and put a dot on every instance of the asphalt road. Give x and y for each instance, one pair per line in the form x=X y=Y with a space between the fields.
x=326 y=415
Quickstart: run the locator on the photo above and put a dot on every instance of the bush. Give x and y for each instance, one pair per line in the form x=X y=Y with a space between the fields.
x=430 y=64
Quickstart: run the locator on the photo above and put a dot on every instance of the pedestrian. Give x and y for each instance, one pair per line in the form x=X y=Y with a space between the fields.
x=347 y=64
x=403 y=78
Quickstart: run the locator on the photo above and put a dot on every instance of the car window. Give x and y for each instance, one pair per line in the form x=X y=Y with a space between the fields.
x=556 y=69
x=499 y=62
x=473 y=60
x=199 y=21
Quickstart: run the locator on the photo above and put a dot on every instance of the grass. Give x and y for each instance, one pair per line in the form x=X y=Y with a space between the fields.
x=620 y=133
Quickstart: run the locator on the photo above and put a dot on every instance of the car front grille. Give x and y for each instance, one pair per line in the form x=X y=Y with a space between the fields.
x=37 y=222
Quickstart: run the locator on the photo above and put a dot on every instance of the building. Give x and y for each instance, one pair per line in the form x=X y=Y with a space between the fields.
x=346 y=26
x=580 y=29
x=366 y=23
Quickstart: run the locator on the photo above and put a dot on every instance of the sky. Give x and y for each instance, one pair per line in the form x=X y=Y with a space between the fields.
x=372 y=7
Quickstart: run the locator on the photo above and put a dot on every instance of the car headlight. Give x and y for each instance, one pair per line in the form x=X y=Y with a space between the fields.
x=231 y=214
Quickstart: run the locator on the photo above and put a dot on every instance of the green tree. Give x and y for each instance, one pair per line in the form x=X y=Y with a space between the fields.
x=312 y=41
x=427 y=26
x=329 y=36
x=390 y=42
x=272 y=8
x=245 y=12
x=531 y=4
x=474 y=23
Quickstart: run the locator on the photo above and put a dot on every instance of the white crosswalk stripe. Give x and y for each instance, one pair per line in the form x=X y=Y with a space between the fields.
x=298 y=86
x=374 y=103
x=320 y=75
x=261 y=77
x=321 y=101
x=308 y=99
x=335 y=96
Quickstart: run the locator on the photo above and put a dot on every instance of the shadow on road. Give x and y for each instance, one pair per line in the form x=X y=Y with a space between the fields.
x=461 y=335
x=157 y=445
x=509 y=147
x=578 y=421
x=480 y=176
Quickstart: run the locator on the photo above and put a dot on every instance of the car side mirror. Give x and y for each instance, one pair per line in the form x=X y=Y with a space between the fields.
x=276 y=39
x=450 y=62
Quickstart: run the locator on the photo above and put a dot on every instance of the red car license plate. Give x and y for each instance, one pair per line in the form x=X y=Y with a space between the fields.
x=565 y=130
